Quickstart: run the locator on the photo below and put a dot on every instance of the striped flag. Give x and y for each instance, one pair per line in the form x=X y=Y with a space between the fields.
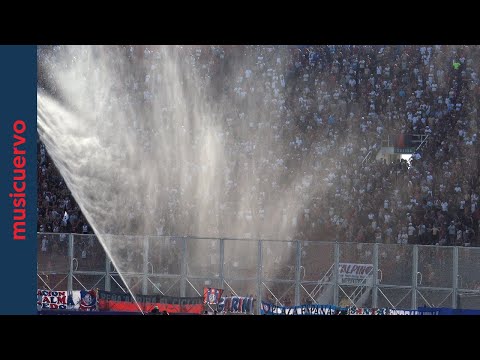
x=211 y=296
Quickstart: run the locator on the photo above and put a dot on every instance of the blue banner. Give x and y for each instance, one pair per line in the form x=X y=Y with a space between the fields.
x=316 y=309
x=18 y=180
x=448 y=311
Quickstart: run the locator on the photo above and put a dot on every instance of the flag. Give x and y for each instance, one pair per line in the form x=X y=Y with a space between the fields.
x=211 y=296
x=88 y=300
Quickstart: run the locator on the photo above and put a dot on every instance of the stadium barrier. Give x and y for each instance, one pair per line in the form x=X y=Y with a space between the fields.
x=283 y=273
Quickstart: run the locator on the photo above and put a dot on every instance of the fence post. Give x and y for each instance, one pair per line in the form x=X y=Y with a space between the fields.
x=221 y=262
x=455 y=278
x=259 y=277
x=183 y=279
x=70 y=271
x=297 y=272
x=108 y=279
x=145 y=266
x=375 y=276
x=414 y=276
x=335 y=273
x=108 y=265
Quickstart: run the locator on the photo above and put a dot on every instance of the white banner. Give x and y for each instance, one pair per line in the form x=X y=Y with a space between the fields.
x=354 y=274
x=413 y=312
x=58 y=300
x=306 y=309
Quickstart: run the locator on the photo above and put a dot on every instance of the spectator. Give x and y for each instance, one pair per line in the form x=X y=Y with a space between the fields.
x=335 y=104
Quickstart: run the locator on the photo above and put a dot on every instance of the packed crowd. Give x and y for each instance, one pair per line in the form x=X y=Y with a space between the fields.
x=335 y=105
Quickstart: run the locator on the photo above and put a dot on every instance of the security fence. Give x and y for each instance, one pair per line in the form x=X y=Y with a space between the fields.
x=283 y=273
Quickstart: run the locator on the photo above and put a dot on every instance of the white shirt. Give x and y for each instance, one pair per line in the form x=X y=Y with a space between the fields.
x=387 y=218
x=444 y=206
x=411 y=230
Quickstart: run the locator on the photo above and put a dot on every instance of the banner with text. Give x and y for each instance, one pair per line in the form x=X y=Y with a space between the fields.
x=52 y=300
x=413 y=312
x=307 y=309
x=316 y=309
x=354 y=274
x=81 y=300
x=236 y=304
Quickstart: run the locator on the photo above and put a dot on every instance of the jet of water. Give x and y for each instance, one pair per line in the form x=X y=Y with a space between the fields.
x=146 y=149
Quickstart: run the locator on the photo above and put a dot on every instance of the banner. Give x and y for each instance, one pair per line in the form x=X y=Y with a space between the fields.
x=109 y=301
x=352 y=310
x=413 y=312
x=88 y=300
x=307 y=309
x=51 y=300
x=447 y=311
x=211 y=296
x=60 y=300
x=316 y=309
x=354 y=274
x=236 y=304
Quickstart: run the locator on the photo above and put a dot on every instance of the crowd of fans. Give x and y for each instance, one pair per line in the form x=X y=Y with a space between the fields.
x=335 y=105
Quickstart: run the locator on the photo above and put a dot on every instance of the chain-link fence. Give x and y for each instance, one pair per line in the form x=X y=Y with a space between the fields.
x=469 y=278
x=280 y=272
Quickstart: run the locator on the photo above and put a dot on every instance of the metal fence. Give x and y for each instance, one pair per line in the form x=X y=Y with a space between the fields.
x=281 y=272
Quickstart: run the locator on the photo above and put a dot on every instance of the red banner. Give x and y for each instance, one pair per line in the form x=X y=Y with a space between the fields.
x=108 y=301
x=109 y=305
